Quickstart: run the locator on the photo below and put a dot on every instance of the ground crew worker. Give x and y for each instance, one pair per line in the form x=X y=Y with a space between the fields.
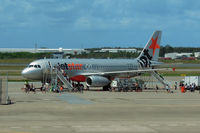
x=175 y=86
x=183 y=89
x=46 y=87
x=27 y=87
x=32 y=88
x=167 y=88
x=81 y=88
x=136 y=86
x=157 y=88
x=61 y=88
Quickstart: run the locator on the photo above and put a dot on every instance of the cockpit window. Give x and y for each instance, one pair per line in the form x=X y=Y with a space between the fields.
x=30 y=66
x=35 y=66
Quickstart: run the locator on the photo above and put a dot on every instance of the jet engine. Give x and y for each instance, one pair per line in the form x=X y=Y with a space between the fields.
x=97 y=81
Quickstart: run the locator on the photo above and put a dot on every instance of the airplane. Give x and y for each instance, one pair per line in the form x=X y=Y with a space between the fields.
x=100 y=72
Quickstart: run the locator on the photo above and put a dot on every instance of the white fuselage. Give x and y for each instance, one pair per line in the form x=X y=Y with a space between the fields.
x=77 y=67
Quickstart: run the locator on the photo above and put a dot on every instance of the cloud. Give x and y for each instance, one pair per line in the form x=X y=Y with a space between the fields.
x=96 y=14
x=132 y=14
x=121 y=16
x=38 y=13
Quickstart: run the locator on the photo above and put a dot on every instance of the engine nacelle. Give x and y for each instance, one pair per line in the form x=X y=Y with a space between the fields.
x=97 y=81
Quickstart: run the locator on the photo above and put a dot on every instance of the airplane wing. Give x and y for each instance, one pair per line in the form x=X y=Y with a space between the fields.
x=120 y=72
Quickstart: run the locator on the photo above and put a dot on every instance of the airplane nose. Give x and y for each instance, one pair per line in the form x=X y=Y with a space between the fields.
x=25 y=73
x=31 y=74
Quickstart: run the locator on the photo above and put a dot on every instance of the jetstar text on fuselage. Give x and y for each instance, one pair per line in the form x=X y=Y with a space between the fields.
x=71 y=66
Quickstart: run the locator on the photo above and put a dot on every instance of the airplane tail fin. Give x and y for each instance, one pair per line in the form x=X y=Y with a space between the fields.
x=151 y=50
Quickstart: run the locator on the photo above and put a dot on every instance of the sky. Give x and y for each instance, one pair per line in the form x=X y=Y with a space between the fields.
x=98 y=23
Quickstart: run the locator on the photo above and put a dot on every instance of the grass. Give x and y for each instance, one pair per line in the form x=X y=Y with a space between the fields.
x=12 y=67
x=21 y=80
x=186 y=73
x=187 y=67
x=26 y=61
x=179 y=73
x=17 y=61
x=10 y=73
x=181 y=61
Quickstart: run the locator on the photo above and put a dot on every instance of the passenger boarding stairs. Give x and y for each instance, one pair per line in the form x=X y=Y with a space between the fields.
x=64 y=80
x=160 y=78
x=56 y=74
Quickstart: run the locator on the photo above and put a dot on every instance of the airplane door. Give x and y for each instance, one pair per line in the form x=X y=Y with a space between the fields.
x=49 y=65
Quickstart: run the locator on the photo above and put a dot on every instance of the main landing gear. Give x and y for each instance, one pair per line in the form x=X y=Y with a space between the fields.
x=106 y=88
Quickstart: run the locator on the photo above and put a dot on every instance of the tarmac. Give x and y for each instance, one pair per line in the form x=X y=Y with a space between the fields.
x=100 y=112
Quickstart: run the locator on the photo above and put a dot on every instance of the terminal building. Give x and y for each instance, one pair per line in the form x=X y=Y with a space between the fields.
x=14 y=50
x=113 y=50
x=197 y=54
x=43 y=50
x=59 y=53
x=63 y=50
x=178 y=55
